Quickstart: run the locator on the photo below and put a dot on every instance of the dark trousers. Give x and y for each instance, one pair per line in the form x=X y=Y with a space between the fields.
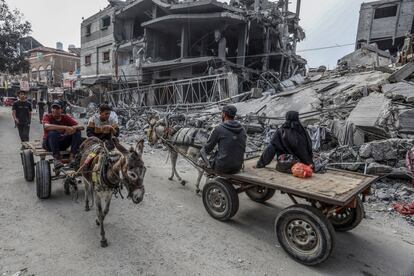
x=41 y=112
x=24 y=130
x=57 y=142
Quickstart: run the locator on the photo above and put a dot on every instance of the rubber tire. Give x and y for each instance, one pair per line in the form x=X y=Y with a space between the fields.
x=43 y=179
x=357 y=214
x=318 y=221
x=229 y=192
x=264 y=197
x=28 y=165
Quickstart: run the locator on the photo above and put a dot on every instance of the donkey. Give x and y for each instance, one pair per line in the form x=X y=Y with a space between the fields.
x=188 y=141
x=106 y=174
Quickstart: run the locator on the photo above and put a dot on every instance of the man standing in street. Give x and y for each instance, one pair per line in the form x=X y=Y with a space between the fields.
x=41 y=109
x=22 y=116
x=230 y=138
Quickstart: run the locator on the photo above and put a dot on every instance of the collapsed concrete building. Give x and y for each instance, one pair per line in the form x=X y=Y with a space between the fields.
x=166 y=52
x=386 y=23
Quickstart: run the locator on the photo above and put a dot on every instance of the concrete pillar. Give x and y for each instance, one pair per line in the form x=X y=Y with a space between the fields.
x=233 y=84
x=184 y=42
x=266 y=50
x=241 y=46
x=180 y=94
x=298 y=4
x=150 y=96
x=203 y=46
x=154 y=11
x=222 y=46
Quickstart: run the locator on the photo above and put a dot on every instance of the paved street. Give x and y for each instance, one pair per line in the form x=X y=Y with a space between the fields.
x=170 y=233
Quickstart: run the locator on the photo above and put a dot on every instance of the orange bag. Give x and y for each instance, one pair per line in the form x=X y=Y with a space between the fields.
x=301 y=170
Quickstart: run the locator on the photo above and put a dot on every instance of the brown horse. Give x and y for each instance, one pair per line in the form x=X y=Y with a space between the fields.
x=108 y=172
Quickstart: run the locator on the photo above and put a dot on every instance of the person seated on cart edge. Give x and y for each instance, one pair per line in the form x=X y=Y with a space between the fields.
x=103 y=126
x=230 y=137
x=60 y=133
x=290 y=138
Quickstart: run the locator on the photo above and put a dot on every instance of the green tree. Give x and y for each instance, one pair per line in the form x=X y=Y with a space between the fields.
x=12 y=28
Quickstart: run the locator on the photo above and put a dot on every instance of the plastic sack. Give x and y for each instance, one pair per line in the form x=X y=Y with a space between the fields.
x=302 y=171
x=285 y=162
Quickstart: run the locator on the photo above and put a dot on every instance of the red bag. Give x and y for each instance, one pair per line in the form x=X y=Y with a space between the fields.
x=301 y=170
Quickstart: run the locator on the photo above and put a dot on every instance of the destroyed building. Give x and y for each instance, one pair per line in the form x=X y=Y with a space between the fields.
x=190 y=51
x=386 y=23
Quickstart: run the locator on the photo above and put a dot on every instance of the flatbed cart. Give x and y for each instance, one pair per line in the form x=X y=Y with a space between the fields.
x=42 y=171
x=305 y=231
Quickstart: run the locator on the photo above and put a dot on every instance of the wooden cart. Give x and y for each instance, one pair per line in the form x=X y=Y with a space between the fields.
x=41 y=170
x=332 y=201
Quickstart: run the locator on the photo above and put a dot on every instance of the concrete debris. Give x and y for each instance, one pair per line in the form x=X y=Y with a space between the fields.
x=368 y=56
x=378 y=169
x=403 y=73
x=403 y=91
x=370 y=111
x=386 y=150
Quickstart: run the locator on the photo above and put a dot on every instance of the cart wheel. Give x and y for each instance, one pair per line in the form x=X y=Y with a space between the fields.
x=348 y=218
x=43 y=179
x=260 y=194
x=28 y=165
x=305 y=234
x=220 y=199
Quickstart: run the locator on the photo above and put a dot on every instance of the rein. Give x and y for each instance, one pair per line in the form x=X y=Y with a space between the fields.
x=119 y=183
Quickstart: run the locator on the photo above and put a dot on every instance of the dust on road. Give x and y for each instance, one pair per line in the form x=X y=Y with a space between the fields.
x=170 y=233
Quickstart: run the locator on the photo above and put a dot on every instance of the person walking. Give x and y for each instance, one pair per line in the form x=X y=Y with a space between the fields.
x=41 y=109
x=34 y=103
x=22 y=116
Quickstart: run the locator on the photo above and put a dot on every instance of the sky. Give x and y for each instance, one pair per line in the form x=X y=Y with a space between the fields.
x=326 y=23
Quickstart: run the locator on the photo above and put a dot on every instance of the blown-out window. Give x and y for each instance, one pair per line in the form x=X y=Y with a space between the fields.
x=106 y=56
x=386 y=12
x=105 y=22
x=88 y=30
x=88 y=60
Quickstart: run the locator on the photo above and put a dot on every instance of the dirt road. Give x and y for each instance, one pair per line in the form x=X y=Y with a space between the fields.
x=170 y=233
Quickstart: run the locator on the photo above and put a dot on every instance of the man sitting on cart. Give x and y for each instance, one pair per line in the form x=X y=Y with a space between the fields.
x=60 y=132
x=230 y=137
x=290 y=138
x=103 y=126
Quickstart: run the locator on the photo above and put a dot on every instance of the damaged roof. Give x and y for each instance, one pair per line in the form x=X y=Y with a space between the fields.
x=164 y=22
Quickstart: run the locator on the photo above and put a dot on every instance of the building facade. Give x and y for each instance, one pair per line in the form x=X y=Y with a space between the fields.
x=47 y=65
x=385 y=23
x=148 y=42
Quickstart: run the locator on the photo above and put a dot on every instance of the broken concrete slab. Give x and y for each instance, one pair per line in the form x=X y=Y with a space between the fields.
x=253 y=128
x=406 y=122
x=370 y=112
x=325 y=86
x=399 y=91
x=378 y=169
x=383 y=150
x=403 y=73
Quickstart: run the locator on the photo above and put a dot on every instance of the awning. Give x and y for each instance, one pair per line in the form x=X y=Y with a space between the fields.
x=96 y=80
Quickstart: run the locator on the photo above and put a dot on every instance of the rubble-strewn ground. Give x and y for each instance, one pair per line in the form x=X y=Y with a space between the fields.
x=170 y=233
